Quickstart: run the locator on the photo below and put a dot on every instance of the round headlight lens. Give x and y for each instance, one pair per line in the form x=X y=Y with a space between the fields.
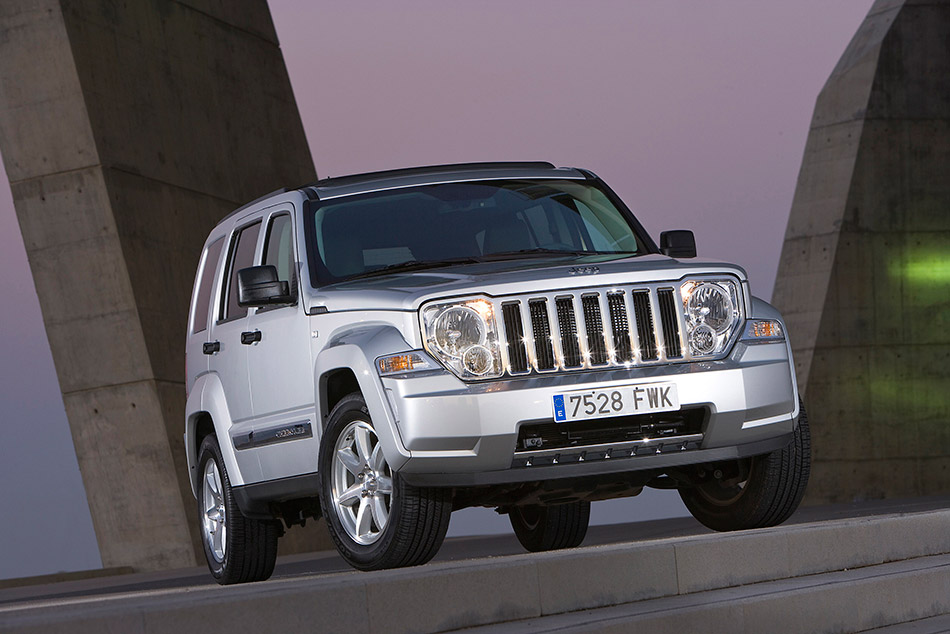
x=457 y=329
x=703 y=339
x=710 y=304
x=478 y=360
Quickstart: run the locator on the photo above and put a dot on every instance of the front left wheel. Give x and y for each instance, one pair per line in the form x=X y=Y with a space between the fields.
x=540 y=528
x=755 y=492
x=238 y=549
x=375 y=518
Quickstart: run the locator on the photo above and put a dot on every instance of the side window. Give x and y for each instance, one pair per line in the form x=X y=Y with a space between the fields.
x=203 y=301
x=279 y=248
x=240 y=257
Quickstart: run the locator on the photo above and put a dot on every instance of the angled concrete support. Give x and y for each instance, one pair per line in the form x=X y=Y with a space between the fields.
x=127 y=130
x=864 y=275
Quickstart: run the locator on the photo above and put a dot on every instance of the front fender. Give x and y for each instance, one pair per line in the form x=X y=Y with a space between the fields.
x=763 y=310
x=357 y=349
x=207 y=397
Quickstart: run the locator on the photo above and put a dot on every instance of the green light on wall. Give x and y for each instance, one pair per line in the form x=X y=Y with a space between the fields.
x=921 y=268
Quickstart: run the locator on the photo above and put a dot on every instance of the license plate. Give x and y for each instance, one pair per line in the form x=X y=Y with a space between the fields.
x=619 y=401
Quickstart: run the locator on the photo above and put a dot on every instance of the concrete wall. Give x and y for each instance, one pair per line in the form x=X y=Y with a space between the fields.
x=127 y=130
x=864 y=276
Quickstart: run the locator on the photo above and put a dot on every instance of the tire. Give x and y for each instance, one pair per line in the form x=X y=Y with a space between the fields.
x=769 y=495
x=540 y=528
x=375 y=518
x=238 y=549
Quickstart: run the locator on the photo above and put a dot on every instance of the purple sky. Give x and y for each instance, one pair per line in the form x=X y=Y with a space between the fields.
x=696 y=113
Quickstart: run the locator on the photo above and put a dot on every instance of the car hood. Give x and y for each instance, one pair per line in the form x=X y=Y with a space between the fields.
x=409 y=290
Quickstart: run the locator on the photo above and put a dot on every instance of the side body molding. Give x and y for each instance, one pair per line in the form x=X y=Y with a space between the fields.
x=356 y=349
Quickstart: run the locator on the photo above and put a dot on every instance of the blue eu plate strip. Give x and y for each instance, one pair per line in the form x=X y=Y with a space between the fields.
x=560 y=415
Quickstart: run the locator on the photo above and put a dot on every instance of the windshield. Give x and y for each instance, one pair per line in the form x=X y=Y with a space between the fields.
x=456 y=223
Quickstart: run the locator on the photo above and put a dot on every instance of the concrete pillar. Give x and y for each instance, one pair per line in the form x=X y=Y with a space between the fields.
x=127 y=130
x=864 y=275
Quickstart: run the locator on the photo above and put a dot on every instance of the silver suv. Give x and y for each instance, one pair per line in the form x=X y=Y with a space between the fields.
x=383 y=349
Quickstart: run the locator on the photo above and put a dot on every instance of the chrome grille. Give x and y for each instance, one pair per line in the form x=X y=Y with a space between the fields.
x=567 y=323
x=517 y=350
x=596 y=342
x=543 y=341
x=591 y=328
x=646 y=333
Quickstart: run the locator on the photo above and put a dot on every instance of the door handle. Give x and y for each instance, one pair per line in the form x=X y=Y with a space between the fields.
x=247 y=338
x=210 y=347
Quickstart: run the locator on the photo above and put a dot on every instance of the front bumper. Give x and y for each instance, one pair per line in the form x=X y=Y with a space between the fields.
x=461 y=434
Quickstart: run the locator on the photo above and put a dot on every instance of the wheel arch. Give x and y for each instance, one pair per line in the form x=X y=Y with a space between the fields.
x=761 y=309
x=206 y=412
x=348 y=364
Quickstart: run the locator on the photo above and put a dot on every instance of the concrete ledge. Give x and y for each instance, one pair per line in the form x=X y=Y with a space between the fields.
x=461 y=594
x=61 y=577
x=845 y=601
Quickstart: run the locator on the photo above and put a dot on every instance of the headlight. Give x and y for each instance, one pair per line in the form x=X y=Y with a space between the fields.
x=712 y=312
x=463 y=336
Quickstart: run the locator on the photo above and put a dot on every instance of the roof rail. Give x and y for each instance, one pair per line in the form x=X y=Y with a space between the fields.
x=282 y=190
x=430 y=169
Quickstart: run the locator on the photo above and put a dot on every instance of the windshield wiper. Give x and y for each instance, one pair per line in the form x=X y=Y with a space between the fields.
x=414 y=265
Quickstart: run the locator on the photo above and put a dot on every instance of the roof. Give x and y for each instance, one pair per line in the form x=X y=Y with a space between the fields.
x=394 y=179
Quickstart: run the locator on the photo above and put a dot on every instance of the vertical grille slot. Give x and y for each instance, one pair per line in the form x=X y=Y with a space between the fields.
x=644 y=317
x=568 y=326
x=514 y=333
x=541 y=329
x=620 y=327
x=595 y=329
x=671 y=333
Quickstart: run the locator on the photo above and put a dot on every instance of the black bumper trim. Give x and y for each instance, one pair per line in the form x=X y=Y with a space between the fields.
x=598 y=467
x=254 y=499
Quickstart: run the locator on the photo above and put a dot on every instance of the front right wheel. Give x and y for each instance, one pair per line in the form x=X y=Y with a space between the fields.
x=755 y=492
x=375 y=518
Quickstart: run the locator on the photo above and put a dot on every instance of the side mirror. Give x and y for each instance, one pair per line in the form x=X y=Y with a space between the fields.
x=679 y=243
x=259 y=286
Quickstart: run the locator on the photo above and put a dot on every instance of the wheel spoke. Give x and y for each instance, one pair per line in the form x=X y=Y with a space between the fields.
x=363 y=446
x=351 y=495
x=384 y=485
x=364 y=519
x=378 y=461
x=380 y=512
x=217 y=538
x=212 y=486
x=349 y=460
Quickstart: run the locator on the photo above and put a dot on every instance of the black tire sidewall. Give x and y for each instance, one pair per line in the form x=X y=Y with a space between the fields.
x=548 y=533
x=360 y=556
x=772 y=477
x=734 y=516
x=210 y=451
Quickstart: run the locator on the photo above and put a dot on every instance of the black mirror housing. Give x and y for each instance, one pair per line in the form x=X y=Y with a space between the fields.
x=259 y=286
x=678 y=243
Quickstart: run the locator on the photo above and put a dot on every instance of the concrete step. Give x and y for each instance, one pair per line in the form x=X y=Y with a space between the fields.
x=933 y=625
x=904 y=549
x=904 y=592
